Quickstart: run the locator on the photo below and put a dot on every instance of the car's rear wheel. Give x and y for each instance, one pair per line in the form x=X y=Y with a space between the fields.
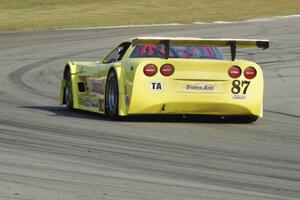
x=112 y=96
x=68 y=91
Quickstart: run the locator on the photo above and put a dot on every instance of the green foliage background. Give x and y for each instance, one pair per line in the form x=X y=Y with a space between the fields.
x=54 y=14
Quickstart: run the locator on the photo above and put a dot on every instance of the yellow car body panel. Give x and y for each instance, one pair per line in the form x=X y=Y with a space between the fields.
x=197 y=86
x=177 y=98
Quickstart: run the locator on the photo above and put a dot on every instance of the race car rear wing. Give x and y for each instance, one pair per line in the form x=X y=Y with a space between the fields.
x=232 y=43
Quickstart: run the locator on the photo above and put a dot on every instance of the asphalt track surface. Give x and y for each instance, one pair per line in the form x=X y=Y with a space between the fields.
x=48 y=153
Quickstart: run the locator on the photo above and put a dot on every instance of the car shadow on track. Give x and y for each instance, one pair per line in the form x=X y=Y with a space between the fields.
x=62 y=111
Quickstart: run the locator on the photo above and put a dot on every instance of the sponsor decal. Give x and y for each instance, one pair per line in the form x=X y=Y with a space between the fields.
x=95 y=104
x=85 y=101
x=127 y=100
x=239 y=97
x=200 y=87
x=101 y=105
x=98 y=86
x=156 y=86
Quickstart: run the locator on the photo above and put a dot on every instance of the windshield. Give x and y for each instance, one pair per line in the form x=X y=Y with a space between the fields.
x=193 y=52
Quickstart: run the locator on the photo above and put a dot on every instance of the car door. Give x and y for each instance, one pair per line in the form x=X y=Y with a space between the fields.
x=97 y=81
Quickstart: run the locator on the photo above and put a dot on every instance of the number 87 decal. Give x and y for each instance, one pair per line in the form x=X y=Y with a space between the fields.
x=238 y=85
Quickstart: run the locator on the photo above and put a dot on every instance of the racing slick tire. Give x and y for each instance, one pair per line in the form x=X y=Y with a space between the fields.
x=112 y=97
x=68 y=91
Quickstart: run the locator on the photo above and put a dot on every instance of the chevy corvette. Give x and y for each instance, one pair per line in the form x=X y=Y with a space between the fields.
x=168 y=75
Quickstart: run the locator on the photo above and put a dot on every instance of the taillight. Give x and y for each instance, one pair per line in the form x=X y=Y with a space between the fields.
x=234 y=72
x=167 y=70
x=150 y=70
x=250 y=72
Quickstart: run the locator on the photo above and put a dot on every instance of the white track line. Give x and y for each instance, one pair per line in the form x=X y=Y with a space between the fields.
x=176 y=24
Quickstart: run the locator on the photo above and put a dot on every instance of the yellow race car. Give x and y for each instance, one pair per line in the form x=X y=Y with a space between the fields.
x=162 y=75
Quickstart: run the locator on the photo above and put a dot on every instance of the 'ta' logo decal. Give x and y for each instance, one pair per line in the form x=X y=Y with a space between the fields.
x=156 y=86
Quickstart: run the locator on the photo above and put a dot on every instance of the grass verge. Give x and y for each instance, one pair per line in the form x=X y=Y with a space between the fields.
x=55 y=14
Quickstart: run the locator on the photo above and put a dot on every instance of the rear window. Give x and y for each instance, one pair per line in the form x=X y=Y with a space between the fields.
x=193 y=52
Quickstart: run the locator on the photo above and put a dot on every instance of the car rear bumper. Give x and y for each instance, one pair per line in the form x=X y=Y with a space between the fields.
x=206 y=104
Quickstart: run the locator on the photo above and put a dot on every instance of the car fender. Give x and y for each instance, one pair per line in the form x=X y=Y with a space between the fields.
x=74 y=69
x=117 y=67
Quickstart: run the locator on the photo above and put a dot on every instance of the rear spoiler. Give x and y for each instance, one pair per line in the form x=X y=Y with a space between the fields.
x=232 y=43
